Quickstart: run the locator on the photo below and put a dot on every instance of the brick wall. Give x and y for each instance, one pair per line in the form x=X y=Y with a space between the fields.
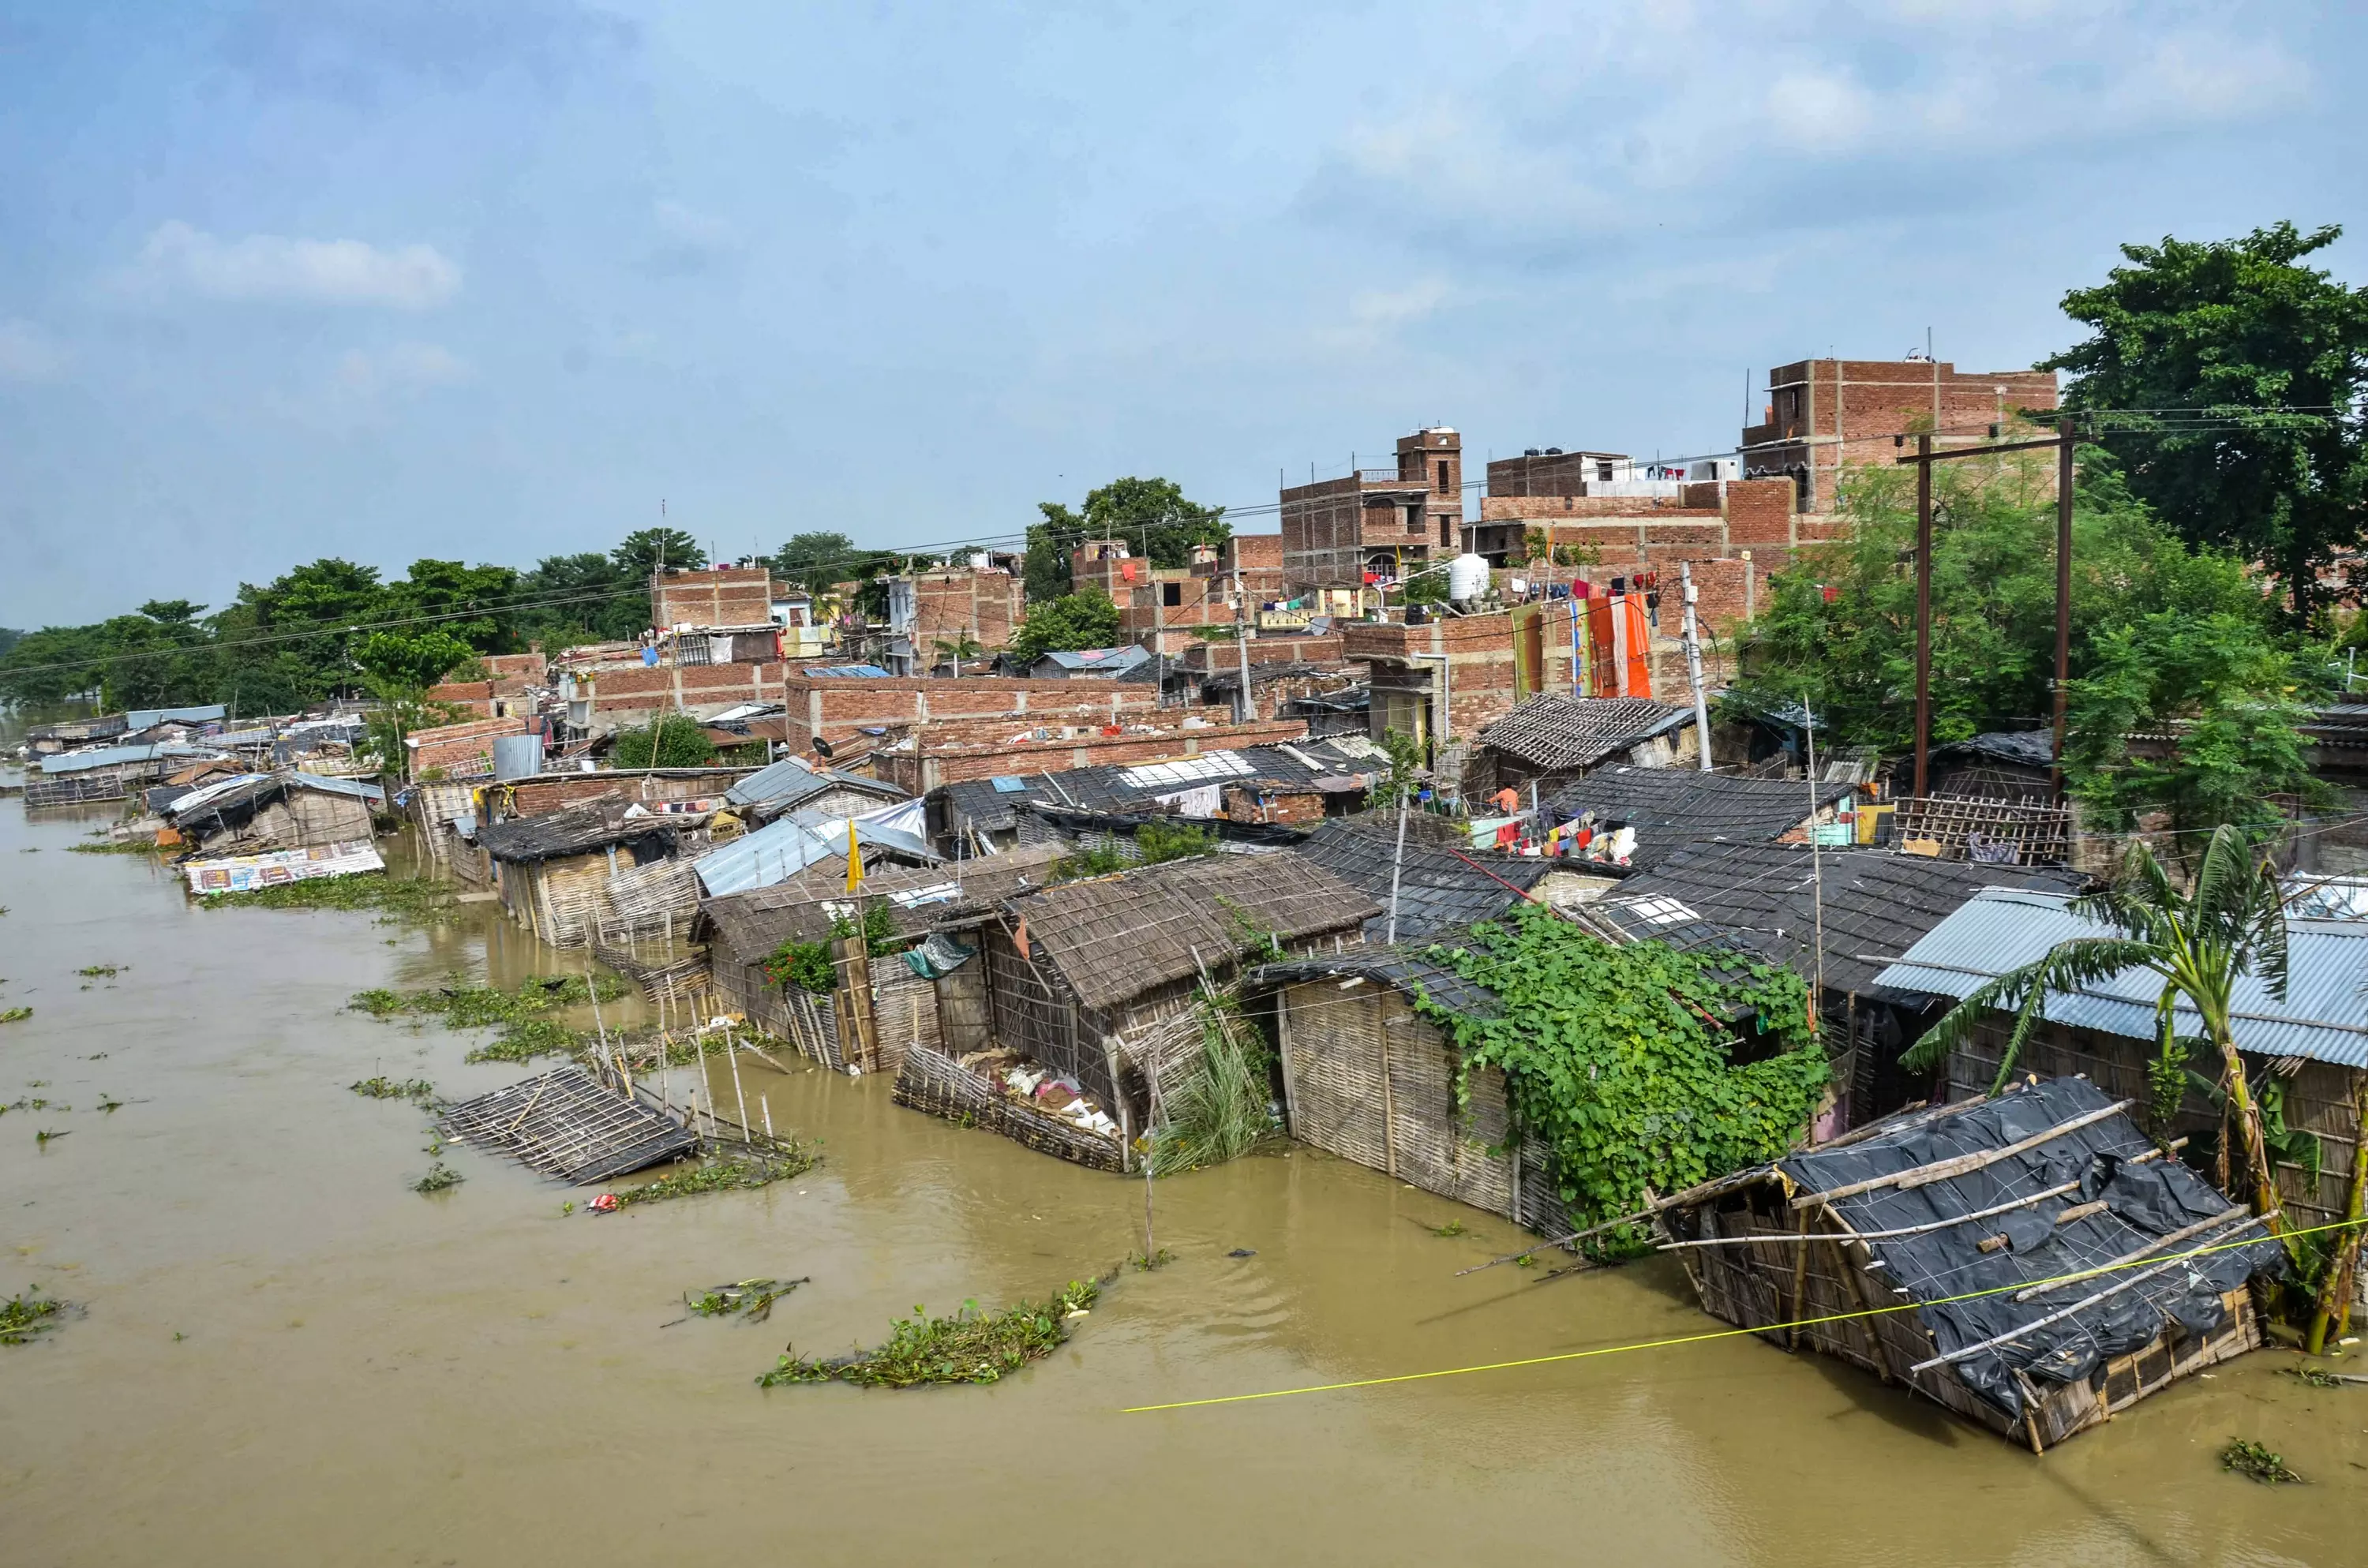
x=930 y=763
x=985 y=606
x=458 y=751
x=1826 y=416
x=552 y=792
x=523 y=666
x=634 y=694
x=1480 y=655
x=840 y=708
x=1267 y=650
x=727 y=595
x=1273 y=804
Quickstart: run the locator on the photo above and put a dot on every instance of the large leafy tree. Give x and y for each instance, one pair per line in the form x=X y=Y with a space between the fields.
x=645 y=549
x=817 y=560
x=1152 y=515
x=1086 y=618
x=296 y=632
x=476 y=604
x=2222 y=329
x=584 y=597
x=2166 y=636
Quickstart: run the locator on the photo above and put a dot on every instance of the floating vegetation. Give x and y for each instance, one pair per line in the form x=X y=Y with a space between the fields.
x=1143 y=1264
x=399 y=897
x=788 y=1158
x=114 y=846
x=751 y=1300
x=2318 y=1378
x=15 y=1014
x=527 y=1030
x=418 y=1090
x=22 y=1317
x=45 y=1137
x=102 y=971
x=440 y=1177
x=1452 y=1228
x=968 y=1347
x=110 y=1104
x=2256 y=1462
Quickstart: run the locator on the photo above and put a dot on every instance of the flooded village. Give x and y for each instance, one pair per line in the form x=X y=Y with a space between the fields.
x=1333 y=1071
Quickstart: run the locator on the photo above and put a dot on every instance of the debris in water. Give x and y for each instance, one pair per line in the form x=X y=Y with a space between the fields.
x=418 y=1090
x=110 y=1104
x=2323 y=1380
x=102 y=971
x=440 y=1177
x=1242 y=1251
x=15 y=1014
x=22 y=1317
x=789 y=1158
x=1145 y=1265
x=1452 y=1228
x=44 y=1137
x=968 y=1347
x=748 y=1299
x=2251 y=1459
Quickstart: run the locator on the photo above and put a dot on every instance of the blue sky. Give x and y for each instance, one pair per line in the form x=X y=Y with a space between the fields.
x=488 y=281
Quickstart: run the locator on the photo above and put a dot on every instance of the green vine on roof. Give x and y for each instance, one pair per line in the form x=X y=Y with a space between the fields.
x=1618 y=1058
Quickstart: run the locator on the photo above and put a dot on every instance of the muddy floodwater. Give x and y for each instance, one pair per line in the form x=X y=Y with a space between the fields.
x=284 y=1355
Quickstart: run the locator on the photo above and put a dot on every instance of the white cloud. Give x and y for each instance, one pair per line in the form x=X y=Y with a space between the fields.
x=28 y=354
x=179 y=258
x=1397 y=307
x=404 y=368
x=1820 y=111
x=694 y=230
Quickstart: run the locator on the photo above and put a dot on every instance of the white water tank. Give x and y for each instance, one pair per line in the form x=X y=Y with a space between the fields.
x=1467 y=577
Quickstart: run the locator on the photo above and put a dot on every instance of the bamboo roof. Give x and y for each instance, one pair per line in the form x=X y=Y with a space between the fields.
x=1555 y=732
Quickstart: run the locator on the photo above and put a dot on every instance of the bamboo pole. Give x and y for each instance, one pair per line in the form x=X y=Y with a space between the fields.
x=2185 y=1233
x=739 y=1097
x=1943 y=1170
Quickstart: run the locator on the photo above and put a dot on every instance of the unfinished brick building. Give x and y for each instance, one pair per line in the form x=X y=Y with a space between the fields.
x=983 y=603
x=721 y=597
x=1824 y=416
x=1159 y=605
x=855 y=712
x=1376 y=524
x=951 y=751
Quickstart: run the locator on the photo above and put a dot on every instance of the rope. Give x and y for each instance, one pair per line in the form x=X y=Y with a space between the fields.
x=1706 y=1336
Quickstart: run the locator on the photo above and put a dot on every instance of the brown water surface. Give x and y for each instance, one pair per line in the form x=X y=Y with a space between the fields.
x=288 y=1356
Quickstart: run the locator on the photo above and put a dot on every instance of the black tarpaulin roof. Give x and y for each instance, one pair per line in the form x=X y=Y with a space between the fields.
x=1671 y=808
x=1939 y=1268
x=1442 y=894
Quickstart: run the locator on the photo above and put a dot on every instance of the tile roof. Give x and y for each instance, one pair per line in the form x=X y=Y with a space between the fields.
x=742 y=928
x=1555 y=732
x=1766 y=897
x=1441 y=893
x=984 y=804
x=1673 y=807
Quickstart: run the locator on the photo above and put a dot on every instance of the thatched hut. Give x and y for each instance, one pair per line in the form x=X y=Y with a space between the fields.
x=2030 y=1261
x=250 y=812
x=1551 y=740
x=1368 y=1077
x=1075 y=971
x=554 y=871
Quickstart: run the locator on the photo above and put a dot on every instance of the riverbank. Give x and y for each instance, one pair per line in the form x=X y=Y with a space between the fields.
x=365 y=1373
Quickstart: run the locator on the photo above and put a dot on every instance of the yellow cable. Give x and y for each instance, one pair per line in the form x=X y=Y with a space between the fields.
x=2149 y=1262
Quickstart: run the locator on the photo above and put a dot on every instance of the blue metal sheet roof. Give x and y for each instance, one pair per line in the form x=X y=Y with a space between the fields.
x=778 y=852
x=2323 y=1016
x=841 y=672
x=116 y=756
x=361 y=788
x=790 y=779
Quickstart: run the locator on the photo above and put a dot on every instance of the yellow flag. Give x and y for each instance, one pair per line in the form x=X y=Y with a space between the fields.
x=854 y=861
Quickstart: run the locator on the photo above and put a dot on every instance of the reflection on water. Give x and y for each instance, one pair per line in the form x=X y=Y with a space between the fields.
x=362 y=1373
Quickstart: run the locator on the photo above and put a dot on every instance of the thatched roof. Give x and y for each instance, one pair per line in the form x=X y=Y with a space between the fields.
x=1115 y=937
x=742 y=928
x=580 y=830
x=1553 y=731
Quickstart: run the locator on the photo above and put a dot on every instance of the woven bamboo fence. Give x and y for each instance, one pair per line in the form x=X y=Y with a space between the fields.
x=933 y=1082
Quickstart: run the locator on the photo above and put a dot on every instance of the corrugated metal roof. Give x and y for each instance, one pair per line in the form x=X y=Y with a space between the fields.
x=116 y=756
x=147 y=718
x=358 y=788
x=2322 y=1018
x=790 y=779
x=787 y=846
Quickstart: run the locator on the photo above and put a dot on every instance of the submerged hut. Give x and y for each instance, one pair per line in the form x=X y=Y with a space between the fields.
x=554 y=870
x=2030 y=1261
x=251 y=813
x=1368 y=1077
x=1075 y=968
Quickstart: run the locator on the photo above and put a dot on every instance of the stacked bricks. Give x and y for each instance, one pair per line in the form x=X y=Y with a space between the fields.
x=458 y=751
x=553 y=791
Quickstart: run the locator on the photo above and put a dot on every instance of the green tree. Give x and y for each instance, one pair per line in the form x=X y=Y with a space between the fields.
x=2198 y=943
x=815 y=560
x=2225 y=327
x=959 y=649
x=584 y=597
x=645 y=550
x=675 y=740
x=1086 y=618
x=301 y=625
x=411 y=660
x=2164 y=635
x=476 y=604
x=1152 y=515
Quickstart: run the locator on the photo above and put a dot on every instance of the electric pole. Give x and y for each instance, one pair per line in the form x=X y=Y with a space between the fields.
x=1693 y=668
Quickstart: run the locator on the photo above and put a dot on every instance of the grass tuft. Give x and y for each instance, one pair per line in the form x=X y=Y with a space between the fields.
x=403 y=897
x=1220 y=1111
x=440 y=1177
x=418 y=1090
x=749 y=1299
x=968 y=1347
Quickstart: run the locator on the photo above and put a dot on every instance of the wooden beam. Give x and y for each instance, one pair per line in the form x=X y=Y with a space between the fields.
x=2185 y=1232
x=1943 y=1170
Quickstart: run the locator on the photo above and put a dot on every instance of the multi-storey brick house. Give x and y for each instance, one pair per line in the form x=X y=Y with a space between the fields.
x=1824 y=416
x=1376 y=524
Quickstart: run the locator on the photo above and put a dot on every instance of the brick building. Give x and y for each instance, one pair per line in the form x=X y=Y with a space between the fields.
x=1826 y=416
x=724 y=597
x=840 y=708
x=605 y=697
x=983 y=600
x=1376 y=522
x=1441 y=681
x=458 y=751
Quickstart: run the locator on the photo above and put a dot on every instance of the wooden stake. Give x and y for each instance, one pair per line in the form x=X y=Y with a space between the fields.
x=739 y=1098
